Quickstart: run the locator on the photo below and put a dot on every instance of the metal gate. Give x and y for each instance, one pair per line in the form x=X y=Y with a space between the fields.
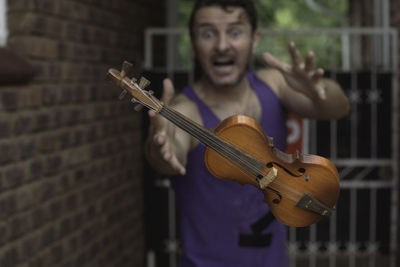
x=363 y=146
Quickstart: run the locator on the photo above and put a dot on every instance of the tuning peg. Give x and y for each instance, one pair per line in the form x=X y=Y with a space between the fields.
x=133 y=80
x=143 y=83
x=137 y=106
x=126 y=67
x=122 y=95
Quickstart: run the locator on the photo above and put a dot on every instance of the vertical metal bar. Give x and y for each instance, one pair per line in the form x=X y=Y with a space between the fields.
x=393 y=225
x=334 y=54
x=333 y=141
x=374 y=114
x=356 y=56
x=3 y=23
x=293 y=246
x=306 y=136
x=377 y=52
x=372 y=228
x=353 y=224
x=333 y=123
x=313 y=246
x=395 y=149
x=354 y=118
x=151 y=259
x=148 y=52
x=172 y=228
x=172 y=22
x=386 y=37
x=332 y=240
x=345 y=41
x=313 y=132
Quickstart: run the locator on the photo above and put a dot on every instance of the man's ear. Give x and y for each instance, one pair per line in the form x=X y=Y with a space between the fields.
x=256 y=39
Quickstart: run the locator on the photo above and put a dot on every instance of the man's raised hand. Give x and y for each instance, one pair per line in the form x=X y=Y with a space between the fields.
x=301 y=75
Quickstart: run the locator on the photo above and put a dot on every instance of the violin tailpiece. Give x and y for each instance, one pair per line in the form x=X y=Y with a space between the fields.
x=264 y=181
x=309 y=203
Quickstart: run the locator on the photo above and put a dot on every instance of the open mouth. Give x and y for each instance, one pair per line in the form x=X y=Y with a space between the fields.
x=223 y=63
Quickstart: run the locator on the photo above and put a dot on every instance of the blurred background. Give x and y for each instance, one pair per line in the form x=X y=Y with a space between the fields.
x=74 y=187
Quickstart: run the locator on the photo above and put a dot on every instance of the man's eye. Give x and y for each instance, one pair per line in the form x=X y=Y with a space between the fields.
x=207 y=35
x=235 y=33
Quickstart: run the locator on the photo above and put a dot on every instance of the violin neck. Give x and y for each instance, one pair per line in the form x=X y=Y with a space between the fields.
x=208 y=138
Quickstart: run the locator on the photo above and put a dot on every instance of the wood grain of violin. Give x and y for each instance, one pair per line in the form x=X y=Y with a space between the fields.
x=300 y=189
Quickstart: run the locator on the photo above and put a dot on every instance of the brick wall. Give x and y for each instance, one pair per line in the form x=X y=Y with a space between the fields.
x=70 y=160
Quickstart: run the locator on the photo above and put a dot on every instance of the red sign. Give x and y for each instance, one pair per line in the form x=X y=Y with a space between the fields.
x=295 y=136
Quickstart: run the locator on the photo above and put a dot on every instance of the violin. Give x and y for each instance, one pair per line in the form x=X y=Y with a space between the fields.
x=300 y=189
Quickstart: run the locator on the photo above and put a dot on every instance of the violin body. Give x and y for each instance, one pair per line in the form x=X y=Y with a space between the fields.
x=296 y=175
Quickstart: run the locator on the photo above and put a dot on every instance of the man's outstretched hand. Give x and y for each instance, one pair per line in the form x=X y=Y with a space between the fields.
x=301 y=75
x=160 y=146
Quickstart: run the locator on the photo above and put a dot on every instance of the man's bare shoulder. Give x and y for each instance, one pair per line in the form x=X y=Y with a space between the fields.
x=187 y=107
x=272 y=77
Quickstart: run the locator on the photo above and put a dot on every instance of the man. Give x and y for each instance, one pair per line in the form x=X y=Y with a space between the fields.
x=224 y=223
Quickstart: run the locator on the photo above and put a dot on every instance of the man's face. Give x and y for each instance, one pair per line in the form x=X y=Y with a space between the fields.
x=223 y=43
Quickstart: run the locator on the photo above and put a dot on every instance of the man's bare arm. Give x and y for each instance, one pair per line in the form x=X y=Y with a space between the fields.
x=302 y=89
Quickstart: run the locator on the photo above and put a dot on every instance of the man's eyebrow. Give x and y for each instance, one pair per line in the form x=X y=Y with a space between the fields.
x=208 y=24
x=204 y=24
x=237 y=23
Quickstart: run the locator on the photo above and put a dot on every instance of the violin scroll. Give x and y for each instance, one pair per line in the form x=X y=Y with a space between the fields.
x=137 y=91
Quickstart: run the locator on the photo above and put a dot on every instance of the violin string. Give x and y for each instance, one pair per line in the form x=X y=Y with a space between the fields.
x=214 y=142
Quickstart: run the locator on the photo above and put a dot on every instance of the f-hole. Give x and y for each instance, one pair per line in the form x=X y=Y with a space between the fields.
x=272 y=163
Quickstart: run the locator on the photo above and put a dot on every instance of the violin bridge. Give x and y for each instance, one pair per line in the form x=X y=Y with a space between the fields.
x=309 y=203
x=264 y=181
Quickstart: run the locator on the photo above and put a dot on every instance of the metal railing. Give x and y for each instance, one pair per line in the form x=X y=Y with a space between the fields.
x=364 y=146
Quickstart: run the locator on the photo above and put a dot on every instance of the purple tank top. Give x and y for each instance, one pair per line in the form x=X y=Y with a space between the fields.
x=225 y=224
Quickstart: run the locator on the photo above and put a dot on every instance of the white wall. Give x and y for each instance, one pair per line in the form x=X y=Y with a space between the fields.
x=3 y=22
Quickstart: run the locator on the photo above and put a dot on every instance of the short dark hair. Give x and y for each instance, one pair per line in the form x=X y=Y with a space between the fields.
x=247 y=5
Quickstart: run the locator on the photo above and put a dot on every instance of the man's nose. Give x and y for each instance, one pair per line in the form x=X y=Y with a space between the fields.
x=223 y=43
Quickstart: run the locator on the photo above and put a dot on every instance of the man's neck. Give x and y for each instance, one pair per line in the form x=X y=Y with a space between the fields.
x=208 y=91
x=230 y=100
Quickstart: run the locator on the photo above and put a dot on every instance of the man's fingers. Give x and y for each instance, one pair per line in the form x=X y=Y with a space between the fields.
x=321 y=92
x=318 y=74
x=296 y=57
x=159 y=138
x=157 y=123
x=271 y=61
x=151 y=113
x=177 y=166
x=163 y=151
x=309 y=65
